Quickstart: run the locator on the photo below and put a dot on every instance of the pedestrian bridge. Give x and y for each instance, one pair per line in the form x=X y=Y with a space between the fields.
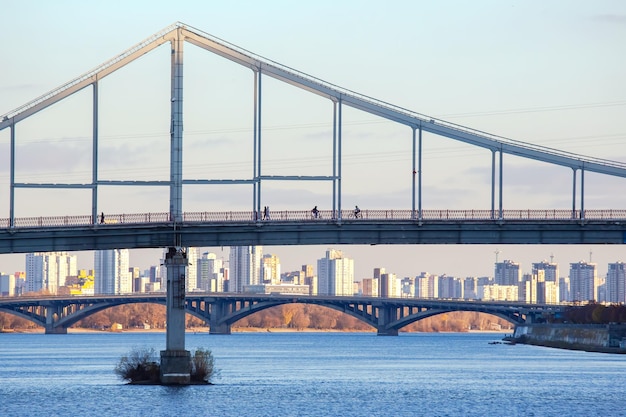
x=412 y=222
x=221 y=311
x=241 y=228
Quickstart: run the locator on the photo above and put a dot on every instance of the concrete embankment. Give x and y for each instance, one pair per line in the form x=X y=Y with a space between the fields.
x=607 y=338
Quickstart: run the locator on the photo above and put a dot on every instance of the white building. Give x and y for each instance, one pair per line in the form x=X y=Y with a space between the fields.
x=111 y=274
x=335 y=274
x=270 y=270
x=191 y=276
x=496 y=292
x=552 y=292
x=427 y=285
x=47 y=271
x=210 y=273
x=245 y=267
x=7 y=285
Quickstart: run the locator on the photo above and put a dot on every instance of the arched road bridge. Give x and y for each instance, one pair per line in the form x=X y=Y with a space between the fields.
x=221 y=311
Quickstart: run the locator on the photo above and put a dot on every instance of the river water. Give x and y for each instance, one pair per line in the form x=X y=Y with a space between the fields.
x=313 y=374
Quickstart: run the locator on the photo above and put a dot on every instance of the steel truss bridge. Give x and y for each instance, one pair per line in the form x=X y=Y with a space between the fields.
x=495 y=225
x=408 y=225
x=221 y=311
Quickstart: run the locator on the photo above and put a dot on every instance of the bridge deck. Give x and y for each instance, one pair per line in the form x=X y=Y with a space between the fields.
x=153 y=230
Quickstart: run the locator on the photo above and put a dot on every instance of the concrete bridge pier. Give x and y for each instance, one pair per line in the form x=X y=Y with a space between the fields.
x=175 y=360
x=218 y=310
x=386 y=315
x=53 y=312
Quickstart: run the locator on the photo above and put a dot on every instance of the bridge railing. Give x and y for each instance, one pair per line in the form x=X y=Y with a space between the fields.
x=323 y=215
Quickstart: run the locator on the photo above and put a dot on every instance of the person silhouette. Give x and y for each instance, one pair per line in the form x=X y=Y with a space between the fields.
x=102 y=218
x=357 y=212
x=266 y=213
x=315 y=212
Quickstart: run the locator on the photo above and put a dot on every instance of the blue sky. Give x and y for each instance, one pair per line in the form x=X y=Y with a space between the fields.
x=550 y=73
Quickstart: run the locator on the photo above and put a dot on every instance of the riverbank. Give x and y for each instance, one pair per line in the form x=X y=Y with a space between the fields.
x=197 y=330
x=609 y=338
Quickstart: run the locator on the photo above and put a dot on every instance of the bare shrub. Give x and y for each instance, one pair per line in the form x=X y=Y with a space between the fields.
x=139 y=366
x=202 y=366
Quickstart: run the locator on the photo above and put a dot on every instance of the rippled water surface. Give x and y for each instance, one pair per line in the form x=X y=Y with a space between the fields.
x=313 y=374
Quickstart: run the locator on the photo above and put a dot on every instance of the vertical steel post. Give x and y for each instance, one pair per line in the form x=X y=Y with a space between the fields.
x=254 y=147
x=94 y=157
x=334 y=159
x=419 y=175
x=414 y=172
x=258 y=166
x=574 y=194
x=582 y=192
x=12 y=178
x=493 y=183
x=500 y=180
x=176 y=145
x=339 y=163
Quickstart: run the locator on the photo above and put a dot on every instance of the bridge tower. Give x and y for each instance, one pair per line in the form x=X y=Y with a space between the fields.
x=175 y=360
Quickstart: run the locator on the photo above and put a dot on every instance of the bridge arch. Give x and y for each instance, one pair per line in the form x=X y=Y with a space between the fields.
x=407 y=320
x=58 y=320
x=352 y=311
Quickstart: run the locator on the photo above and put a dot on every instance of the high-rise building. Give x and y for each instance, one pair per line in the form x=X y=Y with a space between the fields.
x=564 y=292
x=245 y=267
x=583 y=281
x=450 y=287
x=507 y=273
x=210 y=272
x=550 y=270
x=552 y=292
x=48 y=270
x=370 y=287
x=427 y=285
x=270 y=270
x=111 y=275
x=470 y=288
x=7 y=285
x=616 y=283
x=407 y=287
x=335 y=274
x=390 y=285
x=191 y=276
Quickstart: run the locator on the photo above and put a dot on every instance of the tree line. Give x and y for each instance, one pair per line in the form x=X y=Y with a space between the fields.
x=287 y=316
x=593 y=313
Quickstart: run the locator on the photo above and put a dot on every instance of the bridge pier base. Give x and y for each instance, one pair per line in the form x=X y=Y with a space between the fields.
x=175 y=360
x=218 y=310
x=175 y=367
x=387 y=332
x=386 y=314
x=56 y=330
x=219 y=329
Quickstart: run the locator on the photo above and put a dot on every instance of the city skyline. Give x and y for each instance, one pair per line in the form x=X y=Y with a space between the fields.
x=551 y=76
x=291 y=259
